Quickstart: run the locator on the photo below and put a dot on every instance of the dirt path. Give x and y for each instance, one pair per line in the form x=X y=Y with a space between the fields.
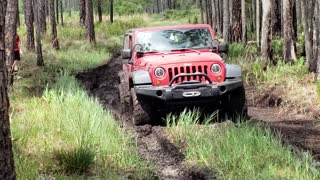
x=153 y=145
x=299 y=131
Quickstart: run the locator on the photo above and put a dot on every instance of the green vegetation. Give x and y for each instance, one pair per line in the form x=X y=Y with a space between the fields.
x=238 y=151
x=285 y=81
x=58 y=130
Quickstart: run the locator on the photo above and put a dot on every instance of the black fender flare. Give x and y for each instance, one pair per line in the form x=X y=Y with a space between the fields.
x=141 y=77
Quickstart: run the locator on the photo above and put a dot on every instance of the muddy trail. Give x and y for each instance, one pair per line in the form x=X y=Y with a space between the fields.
x=152 y=143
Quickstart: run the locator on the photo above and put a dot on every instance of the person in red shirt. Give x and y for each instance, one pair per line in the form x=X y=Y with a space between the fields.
x=17 y=53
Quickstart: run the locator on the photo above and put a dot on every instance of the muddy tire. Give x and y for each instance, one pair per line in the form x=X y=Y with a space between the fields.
x=234 y=105
x=124 y=94
x=141 y=113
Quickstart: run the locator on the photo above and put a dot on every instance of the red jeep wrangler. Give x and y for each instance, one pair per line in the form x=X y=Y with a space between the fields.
x=173 y=67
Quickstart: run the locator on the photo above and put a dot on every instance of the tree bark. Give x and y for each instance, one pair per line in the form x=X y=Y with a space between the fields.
x=243 y=19
x=258 y=21
x=99 y=10
x=54 y=33
x=61 y=12
x=266 y=35
x=288 y=48
x=201 y=11
x=6 y=154
x=11 y=29
x=57 y=10
x=90 y=22
x=316 y=34
x=276 y=17
x=111 y=11
x=28 y=15
x=236 y=26
x=42 y=16
x=40 y=61
x=307 y=34
x=82 y=10
x=226 y=19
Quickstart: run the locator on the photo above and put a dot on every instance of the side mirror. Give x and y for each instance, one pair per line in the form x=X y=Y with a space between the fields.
x=223 y=48
x=126 y=53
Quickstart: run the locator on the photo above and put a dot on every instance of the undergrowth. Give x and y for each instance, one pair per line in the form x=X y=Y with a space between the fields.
x=58 y=130
x=289 y=83
x=238 y=151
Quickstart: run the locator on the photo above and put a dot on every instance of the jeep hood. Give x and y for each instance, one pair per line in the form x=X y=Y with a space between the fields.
x=167 y=59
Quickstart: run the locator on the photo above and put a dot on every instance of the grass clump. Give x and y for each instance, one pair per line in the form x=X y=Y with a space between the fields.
x=240 y=151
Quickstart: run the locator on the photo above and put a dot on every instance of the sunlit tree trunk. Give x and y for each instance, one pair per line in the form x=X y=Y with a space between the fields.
x=266 y=35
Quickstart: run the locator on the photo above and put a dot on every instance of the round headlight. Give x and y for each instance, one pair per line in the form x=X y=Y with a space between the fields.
x=159 y=72
x=216 y=69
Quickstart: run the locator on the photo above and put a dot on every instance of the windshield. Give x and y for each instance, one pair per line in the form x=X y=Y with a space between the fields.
x=176 y=39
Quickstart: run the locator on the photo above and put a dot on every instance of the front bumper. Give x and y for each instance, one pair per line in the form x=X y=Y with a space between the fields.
x=188 y=92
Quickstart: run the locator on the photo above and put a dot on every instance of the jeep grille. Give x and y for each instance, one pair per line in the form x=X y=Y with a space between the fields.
x=188 y=69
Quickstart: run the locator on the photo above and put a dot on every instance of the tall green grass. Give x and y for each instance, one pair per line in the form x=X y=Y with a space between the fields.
x=58 y=130
x=66 y=131
x=239 y=151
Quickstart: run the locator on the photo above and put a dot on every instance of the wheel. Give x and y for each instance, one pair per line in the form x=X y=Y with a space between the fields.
x=141 y=113
x=234 y=105
x=124 y=94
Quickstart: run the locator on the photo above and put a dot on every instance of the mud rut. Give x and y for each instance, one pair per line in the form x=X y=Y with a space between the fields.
x=153 y=145
x=102 y=82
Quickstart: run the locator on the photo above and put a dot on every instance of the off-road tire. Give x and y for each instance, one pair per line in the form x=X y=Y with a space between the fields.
x=141 y=113
x=234 y=105
x=124 y=93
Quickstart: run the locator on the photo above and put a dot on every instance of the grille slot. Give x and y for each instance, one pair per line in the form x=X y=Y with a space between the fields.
x=188 y=69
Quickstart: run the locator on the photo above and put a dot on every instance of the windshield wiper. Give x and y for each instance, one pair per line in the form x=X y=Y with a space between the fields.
x=186 y=49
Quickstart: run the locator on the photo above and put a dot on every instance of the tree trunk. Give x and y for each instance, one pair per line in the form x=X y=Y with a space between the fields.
x=226 y=19
x=6 y=154
x=307 y=34
x=288 y=48
x=266 y=35
x=276 y=17
x=201 y=11
x=38 y=32
x=42 y=16
x=318 y=26
x=258 y=21
x=111 y=11
x=69 y=8
x=99 y=10
x=54 y=34
x=57 y=10
x=243 y=19
x=61 y=12
x=82 y=10
x=28 y=16
x=90 y=22
x=11 y=29
x=316 y=34
x=236 y=26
